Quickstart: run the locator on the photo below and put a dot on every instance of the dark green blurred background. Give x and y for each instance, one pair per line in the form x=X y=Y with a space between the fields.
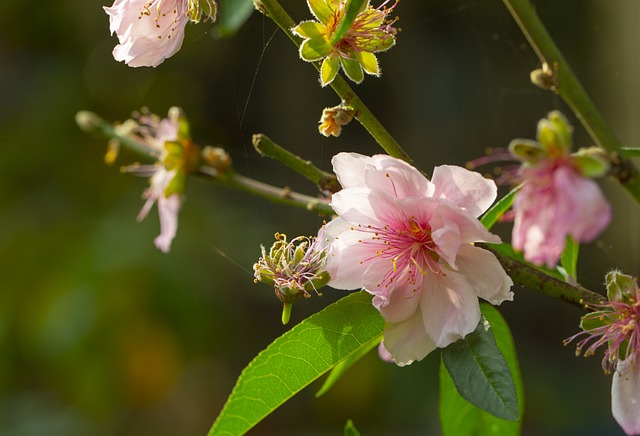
x=102 y=334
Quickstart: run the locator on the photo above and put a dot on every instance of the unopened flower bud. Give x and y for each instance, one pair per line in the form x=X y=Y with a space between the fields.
x=333 y=118
x=620 y=287
x=217 y=158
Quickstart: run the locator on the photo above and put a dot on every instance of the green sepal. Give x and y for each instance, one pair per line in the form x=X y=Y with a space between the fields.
x=554 y=133
x=369 y=63
x=527 y=151
x=351 y=11
x=312 y=50
x=620 y=287
x=321 y=10
x=329 y=69
x=310 y=29
x=594 y=320
x=352 y=69
x=177 y=184
x=592 y=162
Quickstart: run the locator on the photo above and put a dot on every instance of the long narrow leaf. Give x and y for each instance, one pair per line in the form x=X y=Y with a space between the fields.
x=494 y=213
x=569 y=258
x=458 y=417
x=296 y=359
x=481 y=374
x=342 y=367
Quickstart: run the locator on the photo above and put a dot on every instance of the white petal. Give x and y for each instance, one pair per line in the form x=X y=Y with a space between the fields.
x=408 y=341
x=464 y=188
x=449 y=307
x=625 y=396
x=483 y=271
x=471 y=230
x=349 y=167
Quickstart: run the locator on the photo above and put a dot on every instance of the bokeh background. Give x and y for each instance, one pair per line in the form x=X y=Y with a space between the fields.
x=102 y=334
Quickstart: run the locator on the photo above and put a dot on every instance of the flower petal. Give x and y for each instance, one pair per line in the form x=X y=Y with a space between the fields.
x=364 y=207
x=350 y=168
x=483 y=271
x=466 y=189
x=312 y=50
x=407 y=341
x=310 y=29
x=625 y=396
x=450 y=308
x=397 y=178
x=346 y=260
x=168 y=209
x=369 y=62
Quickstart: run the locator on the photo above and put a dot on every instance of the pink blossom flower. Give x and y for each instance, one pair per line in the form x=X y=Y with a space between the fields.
x=150 y=31
x=408 y=241
x=167 y=176
x=556 y=201
x=614 y=324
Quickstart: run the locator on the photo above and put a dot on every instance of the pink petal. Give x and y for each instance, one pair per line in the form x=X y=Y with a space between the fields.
x=364 y=207
x=346 y=260
x=466 y=189
x=168 y=209
x=450 y=308
x=483 y=271
x=399 y=300
x=471 y=230
x=408 y=341
x=625 y=396
x=396 y=178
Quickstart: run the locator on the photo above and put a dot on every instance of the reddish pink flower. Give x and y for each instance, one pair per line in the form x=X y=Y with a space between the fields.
x=408 y=241
x=614 y=324
x=556 y=201
x=150 y=31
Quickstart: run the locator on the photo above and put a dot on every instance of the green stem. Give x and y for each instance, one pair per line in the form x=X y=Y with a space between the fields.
x=275 y=194
x=526 y=275
x=92 y=123
x=274 y=11
x=266 y=147
x=560 y=78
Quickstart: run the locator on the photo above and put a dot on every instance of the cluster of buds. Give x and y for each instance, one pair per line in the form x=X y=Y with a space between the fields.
x=293 y=268
x=347 y=34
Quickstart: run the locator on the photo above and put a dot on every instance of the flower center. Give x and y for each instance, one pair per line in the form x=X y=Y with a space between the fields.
x=410 y=250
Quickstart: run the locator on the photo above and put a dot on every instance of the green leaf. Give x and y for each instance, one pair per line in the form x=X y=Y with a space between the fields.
x=296 y=359
x=342 y=367
x=353 y=69
x=350 y=429
x=232 y=14
x=631 y=151
x=458 y=417
x=492 y=216
x=569 y=258
x=481 y=374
